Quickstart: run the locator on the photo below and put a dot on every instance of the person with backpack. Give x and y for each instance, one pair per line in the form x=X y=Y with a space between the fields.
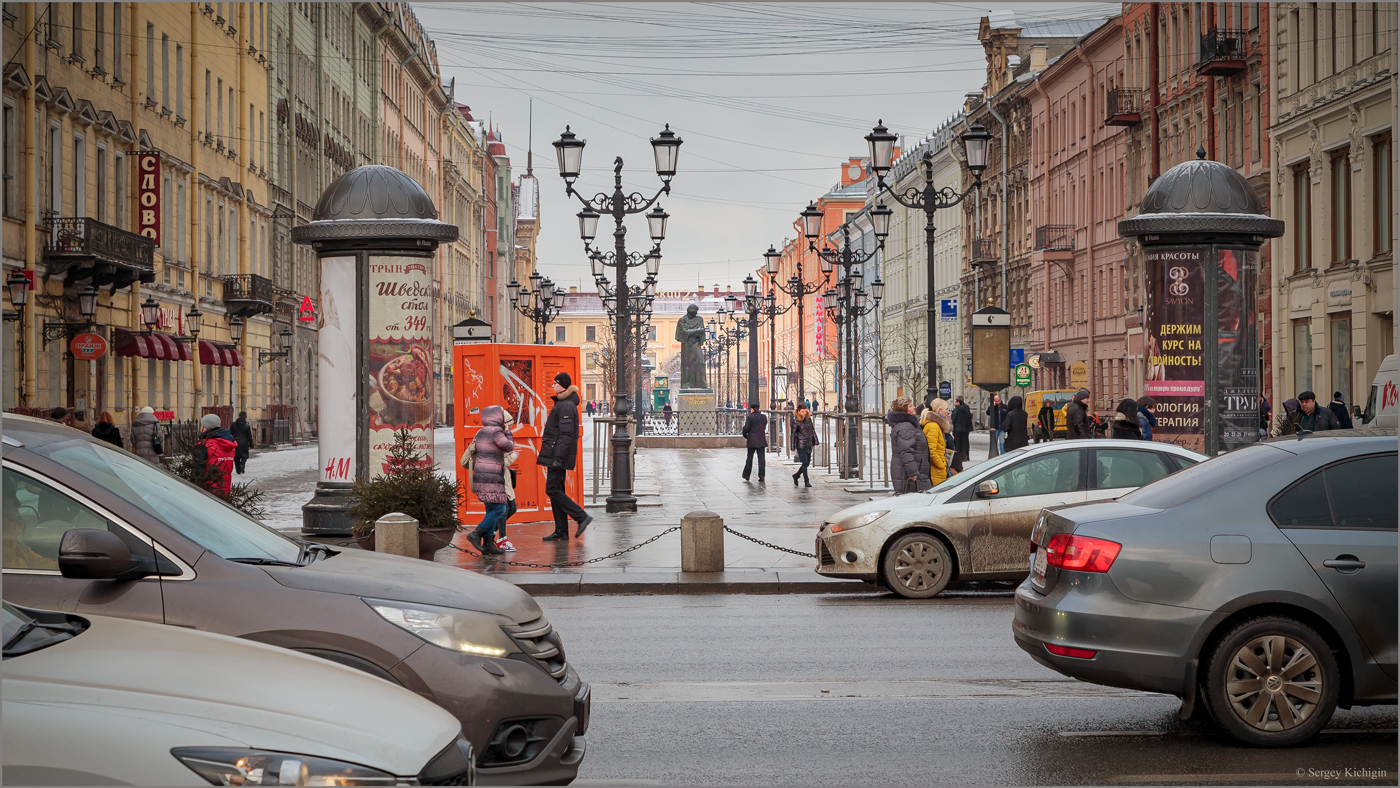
x=215 y=451
x=559 y=455
x=147 y=436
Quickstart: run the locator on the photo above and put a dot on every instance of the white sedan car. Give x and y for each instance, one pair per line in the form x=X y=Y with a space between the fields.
x=977 y=524
x=91 y=700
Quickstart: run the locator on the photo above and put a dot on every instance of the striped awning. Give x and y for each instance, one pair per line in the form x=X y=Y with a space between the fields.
x=156 y=345
x=219 y=354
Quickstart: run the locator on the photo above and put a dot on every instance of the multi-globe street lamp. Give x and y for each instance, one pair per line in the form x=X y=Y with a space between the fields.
x=797 y=288
x=640 y=298
x=619 y=204
x=732 y=335
x=851 y=261
x=929 y=199
x=541 y=303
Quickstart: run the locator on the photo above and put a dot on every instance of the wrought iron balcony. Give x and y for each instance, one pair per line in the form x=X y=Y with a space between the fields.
x=246 y=295
x=81 y=249
x=1054 y=238
x=1222 y=53
x=984 y=250
x=1126 y=106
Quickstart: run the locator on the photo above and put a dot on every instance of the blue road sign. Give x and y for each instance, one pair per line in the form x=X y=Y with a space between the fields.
x=948 y=310
x=1018 y=356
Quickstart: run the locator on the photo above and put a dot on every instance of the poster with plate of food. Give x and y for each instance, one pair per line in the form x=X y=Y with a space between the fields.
x=400 y=355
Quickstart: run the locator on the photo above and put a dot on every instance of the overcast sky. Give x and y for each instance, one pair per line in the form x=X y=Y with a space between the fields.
x=769 y=100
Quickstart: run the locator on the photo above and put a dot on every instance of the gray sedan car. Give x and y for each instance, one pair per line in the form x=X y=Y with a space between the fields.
x=1260 y=585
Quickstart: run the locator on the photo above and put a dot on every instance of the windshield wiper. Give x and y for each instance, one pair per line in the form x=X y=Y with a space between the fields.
x=18 y=636
x=262 y=561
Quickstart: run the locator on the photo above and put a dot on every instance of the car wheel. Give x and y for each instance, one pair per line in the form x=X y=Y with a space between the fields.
x=917 y=566
x=1272 y=682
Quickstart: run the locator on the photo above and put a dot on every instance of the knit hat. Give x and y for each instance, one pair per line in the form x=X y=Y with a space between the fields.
x=211 y=421
x=563 y=379
x=147 y=409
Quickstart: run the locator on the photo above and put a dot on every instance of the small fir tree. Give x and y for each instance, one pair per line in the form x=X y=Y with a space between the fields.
x=409 y=484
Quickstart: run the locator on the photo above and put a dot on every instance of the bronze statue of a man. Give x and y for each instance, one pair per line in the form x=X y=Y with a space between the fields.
x=690 y=332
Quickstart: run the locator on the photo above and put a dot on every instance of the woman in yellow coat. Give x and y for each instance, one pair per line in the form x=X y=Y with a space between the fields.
x=935 y=426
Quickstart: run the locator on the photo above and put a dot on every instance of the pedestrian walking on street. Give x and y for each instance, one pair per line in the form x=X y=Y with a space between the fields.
x=1265 y=417
x=1125 y=421
x=63 y=416
x=1338 y=406
x=243 y=434
x=755 y=433
x=1017 y=423
x=559 y=454
x=962 y=429
x=147 y=436
x=215 y=450
x=1077 y=420
x=666 y=413
x=804 y=439
x=1283 y=424
x=1308 y=417
x=106 y=430
x=591 y=409
x=486 y=461
x=909 y=457
x=1147 y=416
x=935 y=425
x=1045 y=418
x=996 y=412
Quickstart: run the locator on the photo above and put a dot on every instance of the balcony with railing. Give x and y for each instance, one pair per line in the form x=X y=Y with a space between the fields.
x=83 y=248
x=1126 y=106
x=984 y=251
x=1054 y=238
x=1222 y=53
x=246 y=295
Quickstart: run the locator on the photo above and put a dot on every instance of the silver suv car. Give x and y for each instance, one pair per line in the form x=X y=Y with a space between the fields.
x=1260 y=584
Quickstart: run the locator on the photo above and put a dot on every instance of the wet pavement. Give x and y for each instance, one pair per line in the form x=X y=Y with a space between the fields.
x=670 y=483
x=873 y=690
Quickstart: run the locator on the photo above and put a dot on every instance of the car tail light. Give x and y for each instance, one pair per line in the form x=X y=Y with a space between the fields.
x=1081 y=553
x=1066 y=651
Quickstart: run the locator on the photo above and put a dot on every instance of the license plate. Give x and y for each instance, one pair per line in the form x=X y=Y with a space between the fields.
x=1039 y=566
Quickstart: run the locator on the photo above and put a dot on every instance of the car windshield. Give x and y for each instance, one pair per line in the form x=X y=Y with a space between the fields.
x=953 y=482
x=1203 y=477
x=196 y=515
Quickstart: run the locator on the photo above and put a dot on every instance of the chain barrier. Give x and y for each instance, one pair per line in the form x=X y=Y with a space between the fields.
x=768 y=544
x=560 y=564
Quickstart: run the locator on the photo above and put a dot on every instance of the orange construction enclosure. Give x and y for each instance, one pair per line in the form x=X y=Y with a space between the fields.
x=520 y=379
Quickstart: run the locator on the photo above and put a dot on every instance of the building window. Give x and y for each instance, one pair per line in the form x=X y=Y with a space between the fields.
x=1302 y=218
x=119 y=187
x=117 y=41
x=77 y=29
x=1341 y=206
x=1302 y=356
x=79 y=177
x=100 y=184
x=651 y=333
x=164 y=72
x=179 y=80
x=181 y=228
x=1340 y=340
x=150 y=62
x=592 y=361
x=99 y=27
x=560 y=333
x=590 y=333
x=219 y=106
x=1383 y=220
x=11 y=163
x=56 y=169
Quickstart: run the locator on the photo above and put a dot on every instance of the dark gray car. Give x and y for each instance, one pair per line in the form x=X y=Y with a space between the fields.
x=1260 y=584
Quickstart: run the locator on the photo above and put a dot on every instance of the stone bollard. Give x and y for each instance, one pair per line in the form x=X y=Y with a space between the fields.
x=396 y=534
x=702 y=542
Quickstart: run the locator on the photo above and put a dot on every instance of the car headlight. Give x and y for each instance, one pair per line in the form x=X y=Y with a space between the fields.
x=455 y=630
x=243 y=766
x=857 y=522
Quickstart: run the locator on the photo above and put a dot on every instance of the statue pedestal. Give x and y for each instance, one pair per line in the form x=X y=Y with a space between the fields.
x=695 y=412
x=695 y=400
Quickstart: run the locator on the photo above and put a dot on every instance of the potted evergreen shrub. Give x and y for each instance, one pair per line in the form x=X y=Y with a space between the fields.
x=409 y=485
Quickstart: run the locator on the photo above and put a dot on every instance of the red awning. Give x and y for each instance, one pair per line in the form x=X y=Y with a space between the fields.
x=161 y=347
x=219 y=354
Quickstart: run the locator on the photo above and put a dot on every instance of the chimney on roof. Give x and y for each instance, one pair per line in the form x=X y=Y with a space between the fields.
x=1039 y=53
x=573 y=288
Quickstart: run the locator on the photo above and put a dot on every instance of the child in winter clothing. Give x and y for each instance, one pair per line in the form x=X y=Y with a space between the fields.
x=488 y=476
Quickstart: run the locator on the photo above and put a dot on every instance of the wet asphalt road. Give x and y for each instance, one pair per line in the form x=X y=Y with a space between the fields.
x=823 y=690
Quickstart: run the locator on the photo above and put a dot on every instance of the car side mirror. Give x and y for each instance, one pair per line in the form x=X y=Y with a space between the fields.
x=986 y=489
x=93 y=554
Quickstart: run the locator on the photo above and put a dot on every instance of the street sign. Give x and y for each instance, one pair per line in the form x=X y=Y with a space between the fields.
x=1023 y=375
x=991 y=347
x=1018 y=356
x=307 y=312
x=948 y=310
x=1034 y=361
x=88 y=346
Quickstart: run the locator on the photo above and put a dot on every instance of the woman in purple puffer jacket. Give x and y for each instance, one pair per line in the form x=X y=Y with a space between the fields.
x=492 y=444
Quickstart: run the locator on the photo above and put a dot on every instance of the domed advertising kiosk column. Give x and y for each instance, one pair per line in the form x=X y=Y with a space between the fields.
x=374 y=231
x=1200 y=227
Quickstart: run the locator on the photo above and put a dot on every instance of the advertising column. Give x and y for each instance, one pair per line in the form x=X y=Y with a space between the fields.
x=399 y=356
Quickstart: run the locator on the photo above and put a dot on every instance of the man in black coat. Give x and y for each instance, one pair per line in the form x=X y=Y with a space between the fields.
x=756 y=439
x=559 y=454
x=1077 y=416
x=962 y=428
x=996 y=414
x=243 y=436
x=1338 y=406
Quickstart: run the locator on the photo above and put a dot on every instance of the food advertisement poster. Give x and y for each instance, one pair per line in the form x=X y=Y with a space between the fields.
x=1175 y=344
x=400 y=355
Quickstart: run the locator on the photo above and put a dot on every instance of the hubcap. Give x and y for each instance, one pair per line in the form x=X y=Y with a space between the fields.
x=1274 y=683
x=918 y=566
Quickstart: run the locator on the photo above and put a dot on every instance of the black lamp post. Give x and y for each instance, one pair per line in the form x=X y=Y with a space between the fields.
x=18 y=285
x=797 y=288
x=541 y=305
x=665 y=149
x=929 y=199
x=87 y=308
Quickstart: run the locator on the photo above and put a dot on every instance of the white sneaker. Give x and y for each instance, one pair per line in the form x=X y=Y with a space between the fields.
x=504 y=544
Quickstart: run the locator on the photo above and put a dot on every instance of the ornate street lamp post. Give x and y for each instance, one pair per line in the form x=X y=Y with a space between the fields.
x=665 y=149
x=541 y=305
x=929 y=199
x=797 y=288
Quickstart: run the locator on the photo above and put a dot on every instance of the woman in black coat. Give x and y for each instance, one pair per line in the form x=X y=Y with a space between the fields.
x=909 y=457
x=1017 y=424
x=1125 y=421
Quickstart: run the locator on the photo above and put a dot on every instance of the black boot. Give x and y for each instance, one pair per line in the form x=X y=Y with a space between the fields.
x=564 y=537
x=794 y=478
